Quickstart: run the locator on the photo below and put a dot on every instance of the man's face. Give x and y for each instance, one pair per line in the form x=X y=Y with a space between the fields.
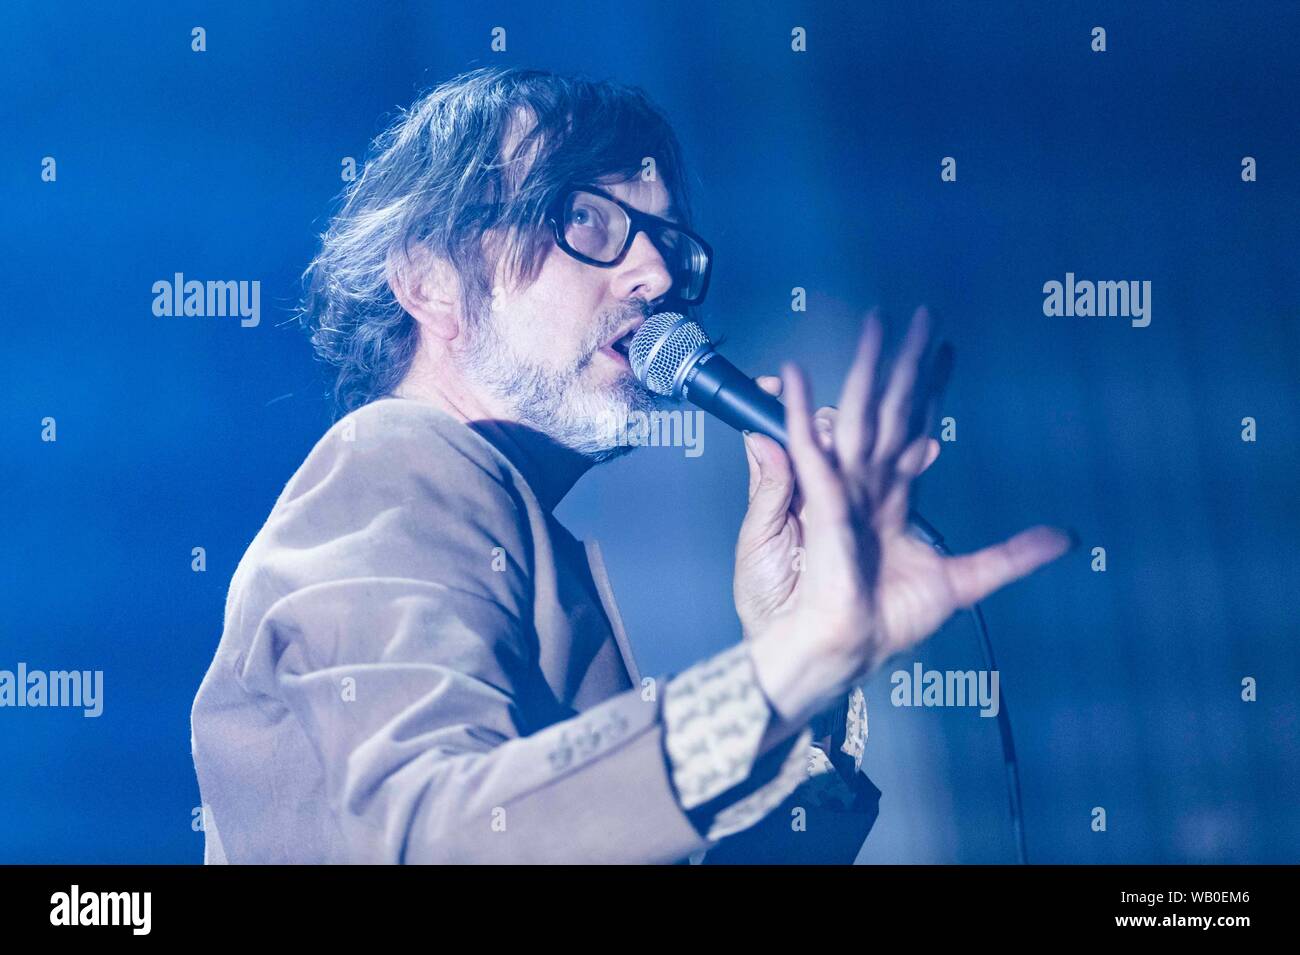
x=547 y=351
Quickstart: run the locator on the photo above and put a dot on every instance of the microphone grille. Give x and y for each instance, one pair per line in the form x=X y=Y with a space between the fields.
x=659 y=348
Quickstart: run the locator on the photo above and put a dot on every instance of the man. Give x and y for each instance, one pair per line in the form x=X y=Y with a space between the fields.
x=420 y=664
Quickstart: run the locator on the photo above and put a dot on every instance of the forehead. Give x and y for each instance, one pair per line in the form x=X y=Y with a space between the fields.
x=650 y=197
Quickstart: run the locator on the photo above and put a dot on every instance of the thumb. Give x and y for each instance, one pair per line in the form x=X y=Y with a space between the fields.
x=974 y=576
x=771 y=486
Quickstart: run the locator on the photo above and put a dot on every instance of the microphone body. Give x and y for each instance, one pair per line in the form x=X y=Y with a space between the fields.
x=724 y=391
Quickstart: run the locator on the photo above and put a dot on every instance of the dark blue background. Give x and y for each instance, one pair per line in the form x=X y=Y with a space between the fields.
x=818 y=170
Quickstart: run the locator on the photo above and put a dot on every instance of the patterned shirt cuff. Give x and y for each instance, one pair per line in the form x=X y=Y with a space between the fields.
x=794 y=771
x=715 y=717
x=855 y=730
x=835 y=760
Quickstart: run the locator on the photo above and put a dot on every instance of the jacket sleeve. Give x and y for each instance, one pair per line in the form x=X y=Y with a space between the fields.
x=401 y=644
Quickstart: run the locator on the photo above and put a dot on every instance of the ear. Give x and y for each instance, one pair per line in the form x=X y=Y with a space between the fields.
x=426 y=286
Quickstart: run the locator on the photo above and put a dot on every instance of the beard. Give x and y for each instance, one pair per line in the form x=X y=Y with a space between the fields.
x=556 y=401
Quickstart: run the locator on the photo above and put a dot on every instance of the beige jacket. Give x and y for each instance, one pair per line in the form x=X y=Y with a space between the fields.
x=420 y=664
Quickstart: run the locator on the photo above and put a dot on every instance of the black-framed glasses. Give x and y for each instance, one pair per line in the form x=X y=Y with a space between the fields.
x=595 y=228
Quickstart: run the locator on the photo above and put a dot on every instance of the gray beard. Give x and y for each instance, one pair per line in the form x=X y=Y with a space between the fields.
x=556 y=402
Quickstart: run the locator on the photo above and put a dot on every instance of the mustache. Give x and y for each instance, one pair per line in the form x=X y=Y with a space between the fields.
x=616 y=319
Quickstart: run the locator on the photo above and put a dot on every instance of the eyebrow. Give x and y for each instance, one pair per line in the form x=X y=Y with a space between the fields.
x=672 y=213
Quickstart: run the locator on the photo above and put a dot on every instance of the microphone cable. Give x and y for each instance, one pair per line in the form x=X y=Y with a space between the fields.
x=926 y=532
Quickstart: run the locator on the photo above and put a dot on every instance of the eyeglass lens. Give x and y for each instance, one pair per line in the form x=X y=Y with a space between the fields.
x=597 y=228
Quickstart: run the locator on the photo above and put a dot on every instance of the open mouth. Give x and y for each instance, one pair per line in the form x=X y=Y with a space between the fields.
x=620 y=346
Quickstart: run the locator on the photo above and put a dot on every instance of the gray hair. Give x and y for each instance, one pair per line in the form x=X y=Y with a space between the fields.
x=439 y=177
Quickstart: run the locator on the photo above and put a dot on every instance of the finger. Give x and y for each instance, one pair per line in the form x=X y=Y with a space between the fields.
x=893 y=486
x=896 y=402
x=769 y=383
x=755 y=473
x=854 y=429
x=771 y=488
x=928 y=392
x=931 y=454
x=973 y=577
x=818 y=482
x=893 y=509
x=824 y=428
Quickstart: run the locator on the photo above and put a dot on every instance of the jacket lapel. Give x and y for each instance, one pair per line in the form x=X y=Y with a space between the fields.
x=596 y=562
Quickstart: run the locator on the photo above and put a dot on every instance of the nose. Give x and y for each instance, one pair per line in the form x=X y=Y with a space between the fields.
x=643 y=272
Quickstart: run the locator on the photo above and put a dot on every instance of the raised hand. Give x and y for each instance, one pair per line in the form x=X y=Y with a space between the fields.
x=769 y=552
x=867 y=589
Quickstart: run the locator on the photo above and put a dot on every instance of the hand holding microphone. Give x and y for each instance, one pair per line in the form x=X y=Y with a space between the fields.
x=864 y=588
x=767 y=554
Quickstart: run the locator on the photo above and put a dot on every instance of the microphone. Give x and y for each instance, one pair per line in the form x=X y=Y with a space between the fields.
x=671 y=355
